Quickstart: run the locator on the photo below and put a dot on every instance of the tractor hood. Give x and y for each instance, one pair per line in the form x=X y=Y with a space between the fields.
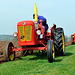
x=26 y=33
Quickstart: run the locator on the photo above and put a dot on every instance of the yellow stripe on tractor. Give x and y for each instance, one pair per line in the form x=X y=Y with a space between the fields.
x=63 y=42
x=35 y=12
x=53 y=51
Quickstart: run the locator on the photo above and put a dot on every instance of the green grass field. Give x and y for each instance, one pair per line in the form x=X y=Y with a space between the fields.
x=38 y=65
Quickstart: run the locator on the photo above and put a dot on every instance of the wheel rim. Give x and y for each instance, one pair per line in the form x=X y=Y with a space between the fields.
x=11 y=54
x=30 y=51
x=63 y=42
x=53 y=51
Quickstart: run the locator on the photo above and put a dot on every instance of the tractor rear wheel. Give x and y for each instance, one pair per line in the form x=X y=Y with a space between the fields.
x=59 y=41
x=10 y=55
x=50 y=51
x=30 y=52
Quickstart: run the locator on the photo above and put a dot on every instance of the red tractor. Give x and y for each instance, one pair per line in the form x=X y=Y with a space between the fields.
x=73 y=38
x=32 y=36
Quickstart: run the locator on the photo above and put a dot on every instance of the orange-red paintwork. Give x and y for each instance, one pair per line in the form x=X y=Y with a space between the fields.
x=34 y=39
x=73 y=36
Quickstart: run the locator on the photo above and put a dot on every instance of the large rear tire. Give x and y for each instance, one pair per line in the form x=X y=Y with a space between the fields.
x=50 y=51
x=10 y=55
x=59 y=41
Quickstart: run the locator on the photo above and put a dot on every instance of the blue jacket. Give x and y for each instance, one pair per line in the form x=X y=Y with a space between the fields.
x=44 y=20
x=43 y=23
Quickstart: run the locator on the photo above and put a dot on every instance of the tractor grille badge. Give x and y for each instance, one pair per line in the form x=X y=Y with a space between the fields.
x=23 y=23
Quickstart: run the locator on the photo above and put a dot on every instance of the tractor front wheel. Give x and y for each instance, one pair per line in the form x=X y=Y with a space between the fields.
x=50 y=51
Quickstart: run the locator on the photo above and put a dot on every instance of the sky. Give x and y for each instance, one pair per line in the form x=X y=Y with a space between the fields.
x=60 y=12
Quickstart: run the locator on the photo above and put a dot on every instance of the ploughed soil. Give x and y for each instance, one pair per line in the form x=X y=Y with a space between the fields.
x=68 y=43
x=3 y=45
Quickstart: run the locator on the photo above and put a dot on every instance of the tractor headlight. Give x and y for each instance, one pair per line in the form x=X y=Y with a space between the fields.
x=15 y=34
x=38 y=32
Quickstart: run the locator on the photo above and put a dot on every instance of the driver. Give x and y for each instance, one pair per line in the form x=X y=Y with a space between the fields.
x=43 y=23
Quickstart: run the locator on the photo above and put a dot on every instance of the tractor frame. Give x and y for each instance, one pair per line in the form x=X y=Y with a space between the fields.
x=32 y=36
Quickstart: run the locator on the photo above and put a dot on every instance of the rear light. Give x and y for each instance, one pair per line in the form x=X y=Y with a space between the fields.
x=15 y=34
x=38 y=32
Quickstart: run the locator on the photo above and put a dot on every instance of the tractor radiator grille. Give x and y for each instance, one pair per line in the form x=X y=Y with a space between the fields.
x=22 y=33
x=28 y=32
